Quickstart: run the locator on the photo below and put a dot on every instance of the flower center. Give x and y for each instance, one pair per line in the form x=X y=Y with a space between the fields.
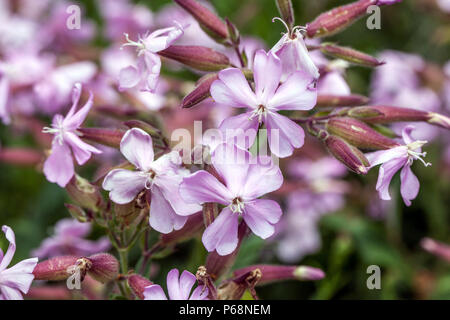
x=140 y=46
x=58 y=130
x=237 y=205
x=259 y=112
x=150 y=175
x=414 y=155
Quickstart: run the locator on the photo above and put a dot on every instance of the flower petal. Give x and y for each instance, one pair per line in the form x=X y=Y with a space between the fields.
x=6 y=260
x=151 y=65
x=382 y=156
x=180 y=289
x=71 y=122
x=129 y=77
x=81 y=150
x=162 y=216
x=10 y=293
x=20 y=276
x=202 y=187
x=124 y=185
x=200 y=293
x=222 y=234
x=137 y=147
x=267 y=74
x=265 y=171
x=154 y=292
x=410 y=185
x=260 y=216
x=58 y=167
x=162 y=39
x=387 y=171
x=240 y=130
x=284 y=135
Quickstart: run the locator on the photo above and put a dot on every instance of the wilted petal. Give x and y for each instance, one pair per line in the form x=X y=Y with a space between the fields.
x=290 y=135
x=162 y=216
x=58 y=167
x=137 y=147
x=154 y=292
x=387 y=171
x=124 y=185
x=232 y=89
x=410 y=185
x=202 y=187
x=222 y=234
x=267 y=74
x=260 y=216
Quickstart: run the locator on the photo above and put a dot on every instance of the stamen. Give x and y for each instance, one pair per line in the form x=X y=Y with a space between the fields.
x=130 y=43
x=237 y=206
x=283 y=22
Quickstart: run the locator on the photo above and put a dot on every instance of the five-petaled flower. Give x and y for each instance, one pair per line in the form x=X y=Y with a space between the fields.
x=296 y=93
x=162 y=177
x=59 y=165
x=179 y=288
x=395 y=158
x=244 y=179
x=145 y=74
x=18 y=278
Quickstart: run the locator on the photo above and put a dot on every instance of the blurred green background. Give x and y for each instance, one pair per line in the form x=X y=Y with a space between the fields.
x=351 y=241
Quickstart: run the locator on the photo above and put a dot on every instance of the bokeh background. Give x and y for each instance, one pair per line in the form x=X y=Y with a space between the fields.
x=352 y=239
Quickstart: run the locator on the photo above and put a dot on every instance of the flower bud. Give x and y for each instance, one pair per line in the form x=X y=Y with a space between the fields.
x=386 y=114
x=197 y=57
x=359 y=134
x=194 y=225
x=350 y=156
x=201 y=91
x=209 y=22
x=329 y=100
x=105 y=267
x=287 y=12
x=20 y=156
x=77 y=213
x=335 y=20
x=138 y=283
x=107 y=137
x=439 y=120
x=151 y=130
x=437 y=248
x=84 y=193
x=274 y=273
x=350 y=55
x=58 y=268
x=233 y=32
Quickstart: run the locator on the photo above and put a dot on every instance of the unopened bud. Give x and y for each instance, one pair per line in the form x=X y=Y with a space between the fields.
x=107 y=137
x=274 y=273
x=329 y=100
x=359 y=134
x=287 y=12
x=138 y=284
x=439 y=120
x=151 y=130
x=20 y=156
x=349 y=155
x=77 y=213
x=350 y=55
x=197 y=57
x=201 y=91
x=209 y=22
x=233 y=32
x=104 y=268
x=308 y=273
x=58 y=268
x=84 y=193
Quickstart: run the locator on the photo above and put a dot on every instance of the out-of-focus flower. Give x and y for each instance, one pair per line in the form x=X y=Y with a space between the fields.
x=146 y=73
x=168 y=211
x=395 y=159
x=17 y=279
x=437 y=248
x=59 y=167
x=239 y=192
x=291 y=49
x=68 y=240
x=296 y=93
x=179 y=288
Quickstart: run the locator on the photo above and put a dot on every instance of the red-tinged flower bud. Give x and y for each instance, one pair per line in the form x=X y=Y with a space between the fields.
x=218 y=265
x=77 y=213
x=60 y=268
x=387 y=114
x=20 y=156
x=287 y=12
x=151 y=130
x=105 y=267
x=349 y=155
x=350 y=55
x=49 y=293
x=84 y=193
x=274 y=273
x=437 y=248
x=138 y=283
x=197 y=57
x=235 y=288
x=107 y=137
x=209 y=22
x=439 y=120
x=201 y=91
x=335 y=20
x=193 y=226
x=329 y=100
x=359 y=134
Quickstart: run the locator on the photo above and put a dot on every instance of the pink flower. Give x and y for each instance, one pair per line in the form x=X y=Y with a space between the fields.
x=245 y=179
x=145 y=75
x=397 y=158
x=179 y=288
x=18 y=278
x=296 y=93
x=59 y=167
x=168 y=211
x=68 y=240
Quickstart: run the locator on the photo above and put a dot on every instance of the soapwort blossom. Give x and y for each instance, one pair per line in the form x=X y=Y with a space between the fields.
x=145 y=74
x=17 y=278
x=59 y=167
x=179 y=288
x=161 y=177
x=243 y=179
x=296 y=93
x=397 y=158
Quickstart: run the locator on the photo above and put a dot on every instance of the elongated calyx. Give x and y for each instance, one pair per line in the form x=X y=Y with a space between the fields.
x=107 y=137
x=330 y=100
x=349 y=54
x=201 y=91
x=287 y=12
x=276 y=273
